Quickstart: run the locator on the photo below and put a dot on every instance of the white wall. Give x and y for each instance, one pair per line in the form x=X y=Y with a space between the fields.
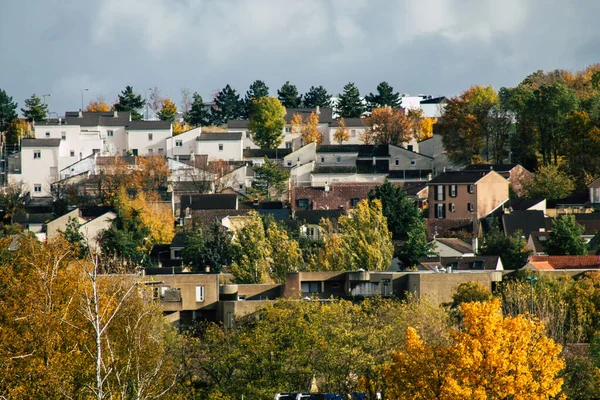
x=139 y=139
x=433 y=110
x=41 y=171
x=404 y=157
x=187 y=141
x=115 y=144
x=328 y=179
x=232 y=149
x=301 y=156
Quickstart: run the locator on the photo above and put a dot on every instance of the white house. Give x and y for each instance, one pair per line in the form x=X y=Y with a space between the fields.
x=434 y=107
x=39 y=166
x=183 y=144
x=146 y=138
x=225 y=146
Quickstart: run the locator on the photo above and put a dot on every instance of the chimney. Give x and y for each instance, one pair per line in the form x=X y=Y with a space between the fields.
x=318 y=112
x=59 y=120
x=115 y=114
x=80 y=114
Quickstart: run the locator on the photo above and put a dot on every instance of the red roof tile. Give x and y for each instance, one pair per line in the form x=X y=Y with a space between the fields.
x=569 y=262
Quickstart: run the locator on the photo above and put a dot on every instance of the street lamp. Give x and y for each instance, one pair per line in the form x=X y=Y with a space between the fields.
x=147 y=99
x=44 y=97
x=83 y=90
x=531 y=280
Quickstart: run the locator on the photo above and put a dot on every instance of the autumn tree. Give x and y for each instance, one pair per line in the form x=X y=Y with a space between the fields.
x=288 y=95
x=341 y=133
x=256 y=90
x=198 y=115
x=422 y=127
x=12 y=201
x=252 y=259
x=492 y=356
x=565 y=238
x=512 y=249
x=388 y=126
x=180 y=127
x=286 y=253
x=385 y=96
x=18 y=129
x=583 y=149
x=98 y=105
x=228 y=105
x=317 y=97
x=467 y=292
x=549 y=182
x=129 y=101
x=307 y=128
x=35 y=110
x=270 y=179
x=8 y=110
x=350 y=104
x=167 y=111
x=267 y=123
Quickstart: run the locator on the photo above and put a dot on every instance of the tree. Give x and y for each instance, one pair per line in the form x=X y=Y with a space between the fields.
x=198 y=115
x=288 y=95
x=155 y=100
x=270 y=179
x=228 y=105
x=129 y=101
x=252 y=260
x=267 y=123
x=12 y=201
x=385 y=97
x=565 y=238
x=307 y=128
x=286 y=253
x=180 y=127
x=512 y=249
x=211 y=248
x=467 y=292
x=35 y=110
x=98 y=105
x=341 y=133
x=583 y=150
x=404 y=221
x=491 y=357
x=422 y=127
x=167 y=111
x=550 y=183
x=18 y=129
x=317 y=97
x=349 y=104
x=388 y=126
x=257 y=90
x=186 y=100
x=8 y=110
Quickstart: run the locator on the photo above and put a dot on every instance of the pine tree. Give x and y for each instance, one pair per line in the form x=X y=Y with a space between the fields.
x=270 y=178
x=257 y=90
x=34 y=109
x=317 y=96
x=228 y=105
x=288 y=95
x=385 y=97
x=198 y=114
x=129 y=101
x=350 y=104
x=7 y=110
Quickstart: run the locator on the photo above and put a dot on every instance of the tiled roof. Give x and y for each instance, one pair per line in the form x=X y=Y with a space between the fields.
x=122 y=118
x=208 y=217
x=147 y=125
x=238 y=124
x=28 y=142
x=569 y=262
x=460 y=177
x=413 y=189
x=220 y=136
x=270 y=153
x=350 y=122
x=456 y=244
x=338 y=196
x=523 y=204
x=524 y=221
x=541 y=265
x=590 y=222
x=476 y=263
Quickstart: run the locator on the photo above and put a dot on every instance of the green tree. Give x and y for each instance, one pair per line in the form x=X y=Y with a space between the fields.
x=405 y=221
x=252 y=259
x=198 y=114
x=288 y=95
x=512 y=249
x=565 y=238
x=270 y=179
x=34 y=109
x=129 y=101
x=467 y=292
x=267 y=122
x=385 y=96
x=212 y=248
x=349 y=104
x=286 y=253
x=12 y=201
x=167 y=111
x=8 y=110
x=317 y=97
x=73 y=235
x=228 y=105
x=549 y=182
x=583 y=149
x=257 y=90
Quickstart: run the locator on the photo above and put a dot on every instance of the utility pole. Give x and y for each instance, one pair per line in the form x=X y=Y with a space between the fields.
x=83 y=90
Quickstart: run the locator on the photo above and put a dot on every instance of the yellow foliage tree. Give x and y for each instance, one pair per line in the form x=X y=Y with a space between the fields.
x=492 y=357
x=388 y=126
x=307 y=128
x=422 y=127
x=179 y=127
x=18 y=129
x=341 y=133
x=98 y=105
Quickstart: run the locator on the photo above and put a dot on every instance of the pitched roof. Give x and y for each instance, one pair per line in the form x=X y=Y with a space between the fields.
x=147 y=125
x=350 y=122
x=178 y=240
x=413 y=189
x=590 y=222
x=122 y=118
x=314 y=217
x=490 y=167
x=208 y=217
x=435 y=100
x=459 y=177
x=574 y=199
x=520 y=204
x=209 y=202
x=29 y=142
x=338 y=196
x=273 y=154
x=205 y=136
x=22 y=218
x=238 y=124
x=541 y=265
x=363 y=150
x=569 y=262
x=526 y=221
x=475 y=263
x=456 y=244
x=595 y=183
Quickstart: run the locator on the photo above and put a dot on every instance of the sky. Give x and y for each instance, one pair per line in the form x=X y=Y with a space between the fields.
x=435 y=47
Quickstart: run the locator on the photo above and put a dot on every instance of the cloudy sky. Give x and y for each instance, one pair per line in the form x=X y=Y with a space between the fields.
x=438 y=47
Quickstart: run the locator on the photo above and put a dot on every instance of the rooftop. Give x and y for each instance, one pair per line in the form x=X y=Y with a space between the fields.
x=458 y=177
x=435 y=100
x=28 y=142
x=569 y=262
x=490 y=167
x=206 y=136
x=456 y=244
x=209 y=202
x=363 y=150
x=523 y=220
x=147 y=125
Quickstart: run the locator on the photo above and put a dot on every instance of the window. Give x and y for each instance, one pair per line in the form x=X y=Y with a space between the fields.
x=397 y=162
x=409 y=147
x=451 y=207
x=150 y=151
x=288 y=145
x=37 y=154
x=470 y=206
x=160 y=151
x=134 y=152
x=37 y=188
x=452 y=190
x=322 y=159
x=110 y=133
x=179 y=143
x=439 y=194
x=440 y=211
x=241 y=186
x=311 y=287
x=471 y=188
x=289 y=163
x=47 y=134
x=220 y=146
x=63 y=135
x=177 y=255
x=338 y=159
x=302 y=203
x=72 y=153
x=413 y=162
x=247 y=135
x=150 y=137
x=354 y=201
x=199 y=294
x=352 y=132
x=288 y=129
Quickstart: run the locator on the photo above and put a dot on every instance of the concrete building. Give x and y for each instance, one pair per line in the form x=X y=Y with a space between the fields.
x=39 y=166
